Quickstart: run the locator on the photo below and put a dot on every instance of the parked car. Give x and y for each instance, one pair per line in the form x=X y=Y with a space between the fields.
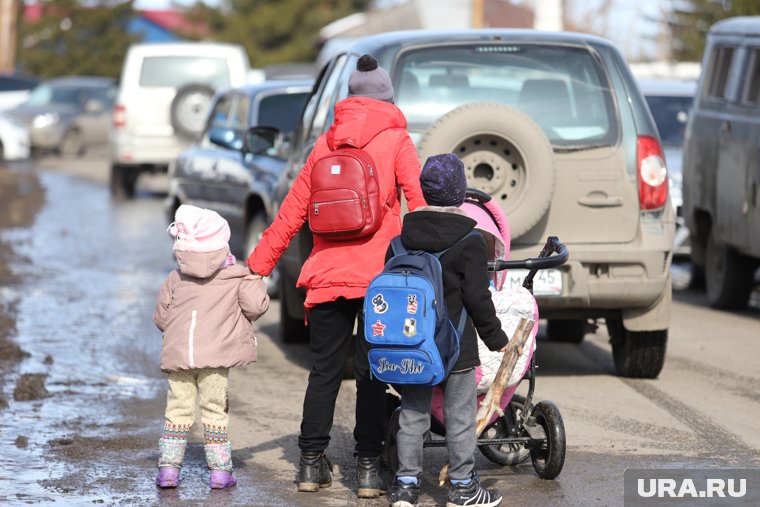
x=554 y=127
x=15 y=89
x=14 y=139
x=67 y=115
x=164 y=93
x=213 y=173
x=722 y=166
x=670 y=102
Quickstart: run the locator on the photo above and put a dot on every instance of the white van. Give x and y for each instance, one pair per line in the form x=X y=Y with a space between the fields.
x=164 y=93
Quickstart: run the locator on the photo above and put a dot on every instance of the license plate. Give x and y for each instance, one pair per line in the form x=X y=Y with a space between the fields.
x=546 y=282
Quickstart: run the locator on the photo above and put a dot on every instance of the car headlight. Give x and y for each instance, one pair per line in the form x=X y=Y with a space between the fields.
x=45 y=120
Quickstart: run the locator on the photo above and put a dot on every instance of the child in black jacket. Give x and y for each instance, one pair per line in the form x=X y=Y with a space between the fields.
x=434 y=228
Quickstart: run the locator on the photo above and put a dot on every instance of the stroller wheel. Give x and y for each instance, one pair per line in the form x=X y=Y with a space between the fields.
x=549 y=457
x=505 y=427
x=391 y=443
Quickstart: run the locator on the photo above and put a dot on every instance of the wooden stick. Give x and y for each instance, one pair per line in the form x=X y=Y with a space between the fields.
x=493 y=396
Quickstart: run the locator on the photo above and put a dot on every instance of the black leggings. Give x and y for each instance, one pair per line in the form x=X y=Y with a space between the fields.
x=331 y=328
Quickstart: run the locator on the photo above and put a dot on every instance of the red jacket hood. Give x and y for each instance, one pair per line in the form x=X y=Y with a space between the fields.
x=359 y=119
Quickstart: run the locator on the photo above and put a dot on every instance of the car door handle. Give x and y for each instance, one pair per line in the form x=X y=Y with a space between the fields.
x=596 y=201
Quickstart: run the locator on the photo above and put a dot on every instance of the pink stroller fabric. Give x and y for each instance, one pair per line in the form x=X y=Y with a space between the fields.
x=511 y=305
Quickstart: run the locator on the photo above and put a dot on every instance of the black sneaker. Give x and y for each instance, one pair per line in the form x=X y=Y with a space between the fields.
x=471 y=494
x=315 y=472
x=403 y=494
x=370 y=484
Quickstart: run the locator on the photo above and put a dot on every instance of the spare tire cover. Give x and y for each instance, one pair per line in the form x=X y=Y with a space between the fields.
x=505 y=154
x=189 y=109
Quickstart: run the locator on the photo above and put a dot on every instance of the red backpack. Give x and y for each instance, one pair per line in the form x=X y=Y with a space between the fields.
x=345 y=196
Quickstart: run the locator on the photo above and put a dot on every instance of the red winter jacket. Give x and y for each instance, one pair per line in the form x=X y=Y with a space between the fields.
x=344 y=268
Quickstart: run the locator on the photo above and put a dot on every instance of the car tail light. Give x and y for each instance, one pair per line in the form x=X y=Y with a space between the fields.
x=119 y=116
x=653 y=174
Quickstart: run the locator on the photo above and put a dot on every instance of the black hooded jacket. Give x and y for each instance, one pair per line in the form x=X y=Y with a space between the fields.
x=465 y=275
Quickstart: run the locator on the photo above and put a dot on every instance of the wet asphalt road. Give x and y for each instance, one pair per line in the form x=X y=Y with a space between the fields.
x=81 y=288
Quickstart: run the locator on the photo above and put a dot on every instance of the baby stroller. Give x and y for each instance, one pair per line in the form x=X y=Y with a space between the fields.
x=523 y=429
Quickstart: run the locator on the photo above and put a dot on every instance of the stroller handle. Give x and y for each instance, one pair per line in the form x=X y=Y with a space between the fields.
x=544 y=260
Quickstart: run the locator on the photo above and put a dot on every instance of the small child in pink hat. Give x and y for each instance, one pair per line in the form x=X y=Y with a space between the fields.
x=204 y=309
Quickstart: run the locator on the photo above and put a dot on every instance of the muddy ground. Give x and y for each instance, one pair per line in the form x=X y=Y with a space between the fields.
x=83 y=398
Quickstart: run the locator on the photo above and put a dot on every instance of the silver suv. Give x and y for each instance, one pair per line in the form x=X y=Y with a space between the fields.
x=554 y=127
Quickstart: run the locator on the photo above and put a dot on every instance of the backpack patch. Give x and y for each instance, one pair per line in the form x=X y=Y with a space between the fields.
x=406 y=321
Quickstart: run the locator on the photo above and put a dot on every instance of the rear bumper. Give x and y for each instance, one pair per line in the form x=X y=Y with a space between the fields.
x=146 y=150
x=599 y=282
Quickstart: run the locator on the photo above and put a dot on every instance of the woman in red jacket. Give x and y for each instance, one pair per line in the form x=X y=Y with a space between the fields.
x=337 y=273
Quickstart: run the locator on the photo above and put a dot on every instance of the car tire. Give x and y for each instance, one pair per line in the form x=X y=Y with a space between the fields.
x=505 y=154
x=566 y=331
x=291 y=330
x=123 y=181
x=189 y=108
x=253 y=232
x=729 y=276
x=637 y=354
x=72 y=144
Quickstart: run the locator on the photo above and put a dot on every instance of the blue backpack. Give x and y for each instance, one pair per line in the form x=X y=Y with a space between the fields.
x=406 y=321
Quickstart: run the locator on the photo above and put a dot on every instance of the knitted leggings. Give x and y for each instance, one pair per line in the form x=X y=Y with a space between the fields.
x=185 y=386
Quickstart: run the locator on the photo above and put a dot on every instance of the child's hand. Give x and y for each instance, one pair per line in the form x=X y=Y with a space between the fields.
x=253 y=276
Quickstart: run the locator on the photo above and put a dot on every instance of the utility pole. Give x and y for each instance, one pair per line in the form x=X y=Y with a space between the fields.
x=8 y=35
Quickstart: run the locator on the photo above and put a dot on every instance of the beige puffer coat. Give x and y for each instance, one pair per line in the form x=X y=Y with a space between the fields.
x=205 y=313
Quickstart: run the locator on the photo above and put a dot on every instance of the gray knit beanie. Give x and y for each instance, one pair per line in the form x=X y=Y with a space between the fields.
x=370 y=80
x=443 y=180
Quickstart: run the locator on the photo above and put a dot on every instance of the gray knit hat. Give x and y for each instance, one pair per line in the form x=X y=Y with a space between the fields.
x=370 y=80
x=443 y=180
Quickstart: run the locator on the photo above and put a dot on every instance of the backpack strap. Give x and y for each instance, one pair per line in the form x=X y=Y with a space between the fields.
x=391 y=201
x=463 y=315
x=397 y=246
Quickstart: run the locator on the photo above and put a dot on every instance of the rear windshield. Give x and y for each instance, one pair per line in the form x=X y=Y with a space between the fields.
x=177 y=71
x=563 y=88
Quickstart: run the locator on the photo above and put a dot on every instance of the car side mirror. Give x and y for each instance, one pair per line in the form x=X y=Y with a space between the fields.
x=262 y=140
x=93 y=106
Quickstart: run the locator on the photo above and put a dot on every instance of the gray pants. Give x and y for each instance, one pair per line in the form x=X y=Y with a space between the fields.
x=459 y=407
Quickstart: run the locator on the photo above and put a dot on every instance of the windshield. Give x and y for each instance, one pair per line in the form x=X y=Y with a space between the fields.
x=670 y=114
x=562 y=88
x=46 y=94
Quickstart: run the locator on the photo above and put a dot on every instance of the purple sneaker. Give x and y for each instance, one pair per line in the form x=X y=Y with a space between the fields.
x=221 y=479
x=168 y=477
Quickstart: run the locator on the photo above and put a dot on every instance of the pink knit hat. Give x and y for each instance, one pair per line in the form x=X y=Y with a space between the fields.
x=199 y=230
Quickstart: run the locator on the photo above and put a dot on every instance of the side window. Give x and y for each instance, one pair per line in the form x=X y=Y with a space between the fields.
x=302 y=128
x=341 y=90
x=720 y=65
x=751 y=92
x=325 y=100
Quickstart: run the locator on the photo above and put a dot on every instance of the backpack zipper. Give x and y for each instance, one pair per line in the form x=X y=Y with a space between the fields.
x=316 y=204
